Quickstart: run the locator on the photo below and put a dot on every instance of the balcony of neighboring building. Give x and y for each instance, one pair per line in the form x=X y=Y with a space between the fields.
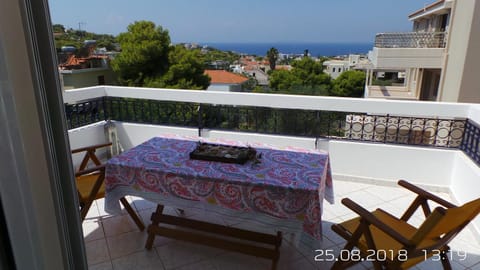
x=408 y=50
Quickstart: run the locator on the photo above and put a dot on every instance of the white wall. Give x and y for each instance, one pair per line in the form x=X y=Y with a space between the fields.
x=86 y=136
x=86 y=77
x=388 y=163
x=465 y=181
x=274 y=140
x=398 y=58
x=131 y=134
x=460 y=73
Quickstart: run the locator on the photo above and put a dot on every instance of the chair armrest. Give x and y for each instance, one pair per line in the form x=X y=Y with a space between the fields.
x=371 y=219
x=425 y=194
x=100 y=168
x=91 y=147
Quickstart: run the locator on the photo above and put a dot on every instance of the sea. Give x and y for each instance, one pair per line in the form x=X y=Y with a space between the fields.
x=314 y=49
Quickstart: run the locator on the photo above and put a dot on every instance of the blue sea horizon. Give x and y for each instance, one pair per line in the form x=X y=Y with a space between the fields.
x=314 y=49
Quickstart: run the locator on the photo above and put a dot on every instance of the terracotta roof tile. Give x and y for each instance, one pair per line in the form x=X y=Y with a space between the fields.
x=223 y=76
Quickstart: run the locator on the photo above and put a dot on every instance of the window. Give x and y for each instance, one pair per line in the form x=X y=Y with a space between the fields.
x=389 y=78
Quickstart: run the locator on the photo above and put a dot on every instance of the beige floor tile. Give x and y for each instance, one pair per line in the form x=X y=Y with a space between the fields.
x=202 y=265
x=144 y=260
x=115 y=225
x=179 y=253
x=476 y=266
x=101 y=209
x=300 y=263
x=92 y=213
x=237 y=261
x=127 y=243
x=330 y=234
x=342 y=188
x=92 y=230
x=97 y=251
x=288 y=253
x=142 y=204
x=365 y=199
x=101 y=266
x=387 y=193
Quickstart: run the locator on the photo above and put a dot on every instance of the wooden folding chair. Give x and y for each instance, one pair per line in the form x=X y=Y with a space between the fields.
x=90 y=183
x=392 y=243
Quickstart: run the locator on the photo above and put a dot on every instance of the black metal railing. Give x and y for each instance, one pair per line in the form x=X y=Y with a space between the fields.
x=152 y=111
x=85 y=113
x=410 y=40
x=471 y=141
x=391 y=129
x=305 y=123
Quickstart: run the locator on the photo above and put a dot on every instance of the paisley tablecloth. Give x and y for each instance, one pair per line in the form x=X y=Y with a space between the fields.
x=287 y=184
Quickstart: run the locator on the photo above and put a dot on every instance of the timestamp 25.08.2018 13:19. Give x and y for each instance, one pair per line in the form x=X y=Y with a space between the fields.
x=383 y=255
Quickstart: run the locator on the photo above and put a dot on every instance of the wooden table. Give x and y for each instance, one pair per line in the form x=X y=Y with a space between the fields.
x=287 y=185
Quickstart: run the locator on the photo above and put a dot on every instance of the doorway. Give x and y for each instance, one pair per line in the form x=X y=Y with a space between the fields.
x=430 y=83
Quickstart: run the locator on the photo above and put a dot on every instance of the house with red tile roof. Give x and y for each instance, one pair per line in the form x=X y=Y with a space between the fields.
x=222 y=80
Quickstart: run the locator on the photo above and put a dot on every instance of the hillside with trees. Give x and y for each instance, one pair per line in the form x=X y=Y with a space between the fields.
x=75 y=38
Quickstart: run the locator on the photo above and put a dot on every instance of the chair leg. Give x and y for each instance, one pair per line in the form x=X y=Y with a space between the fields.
x=445 y=262
x=132 y=214
x=84 y=210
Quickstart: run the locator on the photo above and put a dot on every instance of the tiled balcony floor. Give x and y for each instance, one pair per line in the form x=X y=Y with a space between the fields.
x=114 y=242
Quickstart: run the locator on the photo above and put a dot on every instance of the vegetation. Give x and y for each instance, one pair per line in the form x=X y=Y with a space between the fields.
x=349 y=84
x=214 y=55
x=75 y=38
x=305 y=78
x=272 y=56
x=144 y=53
x=147 y=59
x=186 y=71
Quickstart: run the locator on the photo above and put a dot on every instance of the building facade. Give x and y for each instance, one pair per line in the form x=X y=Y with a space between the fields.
x=435 y=61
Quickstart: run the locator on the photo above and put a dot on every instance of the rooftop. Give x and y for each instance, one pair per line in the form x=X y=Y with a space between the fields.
x=225 y=77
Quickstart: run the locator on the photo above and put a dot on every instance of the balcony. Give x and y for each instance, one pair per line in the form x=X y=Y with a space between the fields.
x=372 y=144
x=410 y=40
x=408 y=50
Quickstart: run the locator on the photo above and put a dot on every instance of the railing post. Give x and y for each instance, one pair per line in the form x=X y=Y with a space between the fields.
x=106 y=113
x=200 y=120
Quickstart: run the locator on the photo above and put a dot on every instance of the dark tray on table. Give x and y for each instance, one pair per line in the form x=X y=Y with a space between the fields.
x=223 y=153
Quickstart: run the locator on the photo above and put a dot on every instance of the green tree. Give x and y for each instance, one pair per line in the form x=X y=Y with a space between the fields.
x=349 y=84
x=305 y=78
x=58 y=28
x=272 y=56
x=144 y=53
x=186 y=71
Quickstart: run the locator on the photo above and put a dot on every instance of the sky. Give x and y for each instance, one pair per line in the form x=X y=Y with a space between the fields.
x=323 y=21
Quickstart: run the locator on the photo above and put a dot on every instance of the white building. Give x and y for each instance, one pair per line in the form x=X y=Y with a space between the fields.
x=335 y=67
x=435 y=58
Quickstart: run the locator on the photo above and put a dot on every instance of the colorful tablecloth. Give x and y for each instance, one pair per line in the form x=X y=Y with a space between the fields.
x=287 y=183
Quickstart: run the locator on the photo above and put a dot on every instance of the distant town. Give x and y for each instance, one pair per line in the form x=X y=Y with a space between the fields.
x=408 y=66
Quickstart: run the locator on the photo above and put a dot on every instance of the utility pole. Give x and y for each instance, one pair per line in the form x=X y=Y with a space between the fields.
x=80 y=25
x=80 y=28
